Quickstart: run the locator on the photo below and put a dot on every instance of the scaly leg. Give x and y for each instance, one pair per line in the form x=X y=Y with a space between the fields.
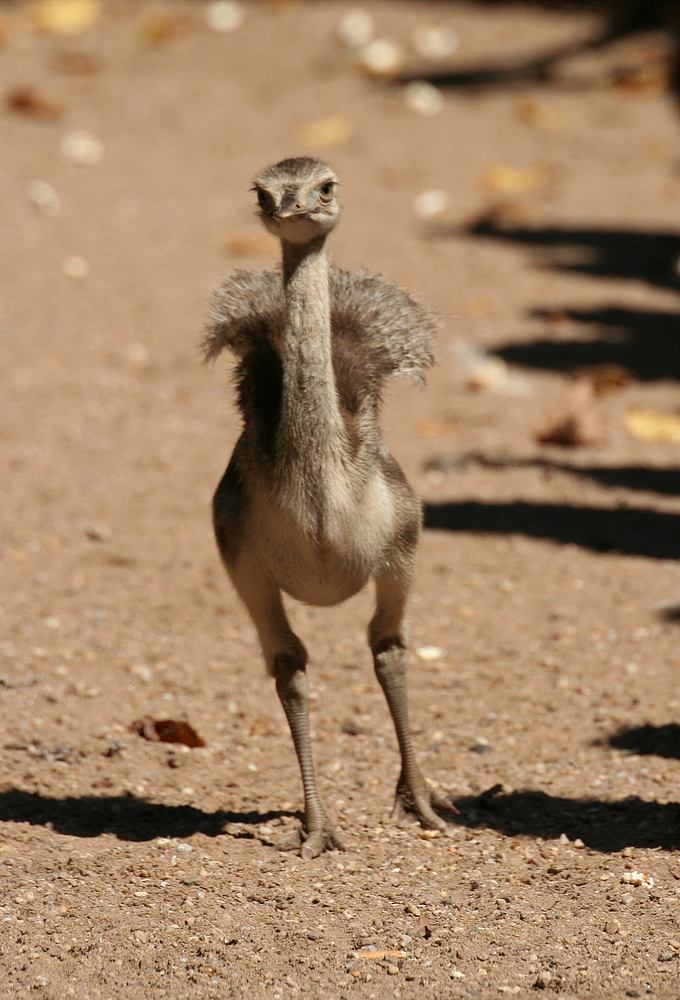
x=286 y=660
x=386 y=636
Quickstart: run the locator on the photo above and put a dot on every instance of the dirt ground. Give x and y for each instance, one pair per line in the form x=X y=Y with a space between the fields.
x=133 y=869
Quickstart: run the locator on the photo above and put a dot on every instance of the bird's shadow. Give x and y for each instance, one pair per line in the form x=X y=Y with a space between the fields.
x=627 y=531
x=125 y=816
x=603 y=826
x=659 y=741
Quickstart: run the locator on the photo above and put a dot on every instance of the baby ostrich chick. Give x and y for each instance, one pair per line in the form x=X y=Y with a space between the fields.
x=312 y=503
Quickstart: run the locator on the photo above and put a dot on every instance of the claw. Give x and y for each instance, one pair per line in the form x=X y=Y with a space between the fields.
x=312 y=844
x=418 y=806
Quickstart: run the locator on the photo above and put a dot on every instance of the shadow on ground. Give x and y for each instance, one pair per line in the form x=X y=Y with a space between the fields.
x=125 y=816
x=632 y=477
x=620 y=19
x=602 y=826
x=628 y=531
x=645 y=343
x=660 y=741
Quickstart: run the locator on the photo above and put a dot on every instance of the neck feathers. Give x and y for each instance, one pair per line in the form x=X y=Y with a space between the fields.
x=311 y=430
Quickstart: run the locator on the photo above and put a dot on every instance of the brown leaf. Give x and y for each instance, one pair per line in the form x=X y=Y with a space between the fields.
x=167 y=731
x=576 y=420
x=606 y=377
x=29 y=101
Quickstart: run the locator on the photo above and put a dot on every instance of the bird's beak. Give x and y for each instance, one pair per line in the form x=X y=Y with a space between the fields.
x=288 y=207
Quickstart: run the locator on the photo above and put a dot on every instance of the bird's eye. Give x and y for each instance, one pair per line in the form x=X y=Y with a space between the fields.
x=326 y=191
x=261 y=198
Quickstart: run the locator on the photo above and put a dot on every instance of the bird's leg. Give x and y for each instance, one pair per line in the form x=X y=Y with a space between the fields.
x=386 y=635
x=286 y=659
x=292 y=687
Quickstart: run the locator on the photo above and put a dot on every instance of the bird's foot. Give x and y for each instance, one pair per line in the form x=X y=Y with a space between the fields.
x=312 y=843
x=422 y=805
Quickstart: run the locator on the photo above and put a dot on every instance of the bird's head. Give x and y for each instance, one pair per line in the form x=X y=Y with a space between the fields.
x=297 y=199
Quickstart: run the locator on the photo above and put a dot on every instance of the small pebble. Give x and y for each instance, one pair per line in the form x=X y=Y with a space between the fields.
x=75 y=267
x=666 y=956
x=392 y=970
x=381 y=58
x=356 y=28
x=423 y=98
x=430 y=653
x=224 y=15
x=542 y=979
x=435 y=41
x=42 y=195
x=82 y=147
x=637 y=878
x=429 y=204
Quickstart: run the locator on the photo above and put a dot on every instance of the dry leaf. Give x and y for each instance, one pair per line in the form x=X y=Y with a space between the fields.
x=517 y=180
x=167 y=731
x=577 y=418
x=641 y=81
x=29 y=101
x=378 y=956
x=159 y=25
x=327 y=131
x=541 y=116
x=605 y=378
x=251 y=244
x=652 y=425
x=65 y=17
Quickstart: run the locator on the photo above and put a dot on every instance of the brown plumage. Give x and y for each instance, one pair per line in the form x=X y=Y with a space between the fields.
x=312 y=503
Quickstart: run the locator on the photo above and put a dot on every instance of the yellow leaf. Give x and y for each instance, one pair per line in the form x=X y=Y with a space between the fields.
x=516 y=180
x=651 y=425
x=66 y=17
x=542 y=116
x=327 y=131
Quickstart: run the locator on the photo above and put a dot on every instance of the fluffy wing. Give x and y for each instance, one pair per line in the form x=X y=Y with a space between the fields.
x=246 y=311
x=392 y=332
x=389 y=333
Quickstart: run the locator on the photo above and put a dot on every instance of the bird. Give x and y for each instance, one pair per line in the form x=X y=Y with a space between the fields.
x=312 y=504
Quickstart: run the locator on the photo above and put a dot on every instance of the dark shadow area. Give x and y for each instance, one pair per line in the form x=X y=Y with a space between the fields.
x=125 y=816
x=602 y=826
x=620 y=19
x=632 y=477
x=659 y=741
x=628 y=531
x=602 y=253
x=647 y=344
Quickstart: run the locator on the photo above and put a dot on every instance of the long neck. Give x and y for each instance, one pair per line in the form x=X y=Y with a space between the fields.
x=311 y=429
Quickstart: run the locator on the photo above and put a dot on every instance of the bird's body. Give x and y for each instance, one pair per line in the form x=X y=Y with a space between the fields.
x=312 y=503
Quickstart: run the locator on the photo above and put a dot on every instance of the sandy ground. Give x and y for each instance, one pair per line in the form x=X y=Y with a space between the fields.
x=133 y=869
